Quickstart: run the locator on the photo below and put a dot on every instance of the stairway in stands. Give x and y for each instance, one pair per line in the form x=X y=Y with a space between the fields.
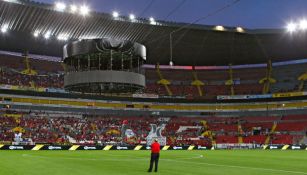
x=208 y=133
x=240 y=133
x=163 y=81
x=267 y=140
x=197 y=83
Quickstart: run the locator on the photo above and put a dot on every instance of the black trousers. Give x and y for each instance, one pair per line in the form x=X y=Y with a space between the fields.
x=154 y=159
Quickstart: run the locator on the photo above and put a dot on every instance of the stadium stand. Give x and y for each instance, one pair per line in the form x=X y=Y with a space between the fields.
x=246 y=81
x=12 y=77
x=68 y=128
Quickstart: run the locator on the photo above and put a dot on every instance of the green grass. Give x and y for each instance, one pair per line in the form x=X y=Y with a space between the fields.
x=218 y=162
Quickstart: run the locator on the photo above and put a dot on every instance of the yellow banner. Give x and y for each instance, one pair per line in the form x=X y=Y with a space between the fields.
x=165 y=147
x=107 y=148
x=191 y=148
x=37 y=147
x=74 y=147
x=285 y=147
x=288 y=94
x=12 y=115
x=138 y=147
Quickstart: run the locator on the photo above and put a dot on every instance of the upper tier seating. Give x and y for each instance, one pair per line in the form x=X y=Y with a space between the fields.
x=50 y=74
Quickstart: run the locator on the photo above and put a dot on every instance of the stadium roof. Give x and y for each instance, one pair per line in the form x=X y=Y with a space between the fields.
x=41 y=29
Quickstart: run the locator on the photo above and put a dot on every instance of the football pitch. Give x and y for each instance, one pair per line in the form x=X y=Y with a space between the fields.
x=217 y=162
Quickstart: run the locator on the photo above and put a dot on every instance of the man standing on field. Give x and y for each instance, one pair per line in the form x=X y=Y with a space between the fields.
x=155 y=154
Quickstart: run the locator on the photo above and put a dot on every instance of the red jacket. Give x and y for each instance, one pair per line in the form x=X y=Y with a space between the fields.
x=155 y=147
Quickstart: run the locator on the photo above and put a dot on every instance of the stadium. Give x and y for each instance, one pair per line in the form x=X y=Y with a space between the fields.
x=85 y=92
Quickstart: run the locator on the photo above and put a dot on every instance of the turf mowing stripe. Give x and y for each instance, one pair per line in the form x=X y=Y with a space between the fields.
x=242 y=167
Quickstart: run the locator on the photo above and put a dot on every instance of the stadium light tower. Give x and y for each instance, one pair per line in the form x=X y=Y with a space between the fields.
x=115 y=14
x=60 y=6
x=84 y=10
x=291 y=27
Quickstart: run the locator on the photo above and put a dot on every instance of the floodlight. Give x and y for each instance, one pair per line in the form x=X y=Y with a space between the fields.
x=131 y=17
x=47 y=35
x=62 y=37
x=73 y=8
x=36 y=34
x=152 y=21
x=10 y=1
x=115 y=14
x=60 y=6
x=4 y=28
x=219 y=28
x=291 y=27
x=240 y=29
x=303 y=24
x=84 y=10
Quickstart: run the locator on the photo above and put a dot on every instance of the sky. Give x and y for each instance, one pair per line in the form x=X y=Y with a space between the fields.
x=252 y=14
